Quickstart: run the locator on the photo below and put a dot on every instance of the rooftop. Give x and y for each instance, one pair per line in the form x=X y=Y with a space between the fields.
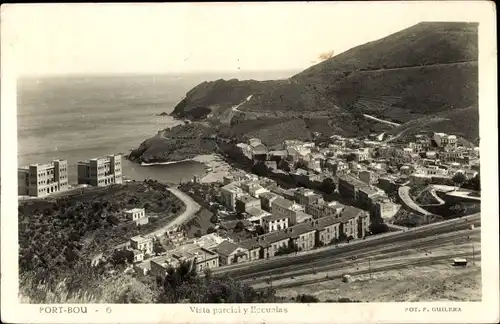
x=282 y=202
x=139 y=239
x=247 y=198
x=226 y=248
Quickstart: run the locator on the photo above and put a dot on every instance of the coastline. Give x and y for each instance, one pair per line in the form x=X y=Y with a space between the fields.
x=215 y=166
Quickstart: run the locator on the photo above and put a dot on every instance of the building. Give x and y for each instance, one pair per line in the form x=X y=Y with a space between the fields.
x=39 y=180
x=101 y=172
x=266 y=200
x=303 y=236
x=255 y=215
x=273 y=223
x=230 y=253
x=384 y=208
x=209 y=241
x=282 y=207
x=303 y=217
x=229 y=194
x=328 y=229
x=305 y=196
x=324 y=209
x=355 y=222
x=356 y=189
x=368 y=177
x=142 y=243
x=199 y=257
x=160 y=265
x=245 y=202
x=138 y=215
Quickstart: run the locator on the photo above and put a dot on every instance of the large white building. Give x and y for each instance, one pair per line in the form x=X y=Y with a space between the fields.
x=40 y=180
x=101 y=172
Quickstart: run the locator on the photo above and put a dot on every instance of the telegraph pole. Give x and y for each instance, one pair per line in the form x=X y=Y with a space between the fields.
x=369 y=267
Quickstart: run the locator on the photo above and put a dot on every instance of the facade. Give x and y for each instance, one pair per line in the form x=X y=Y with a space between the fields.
x=385 y=208
x=245 y=202
x=230 y=253
x=142 y=243
x=355 y=222
x=306 y=196
x=285 y=208
x=368 y=177
x=273 y=223
x=138 y=215
x=39 y=180
x=303 y=236
x=266 y=200
x=101 y=172
x=328 y=229
x=256 y=215
x=229 y=194
x=324 y=209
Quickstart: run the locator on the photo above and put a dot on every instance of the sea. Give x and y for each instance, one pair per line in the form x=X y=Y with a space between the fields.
x=80 y=117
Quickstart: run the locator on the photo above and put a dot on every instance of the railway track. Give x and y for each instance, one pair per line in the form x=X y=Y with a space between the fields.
x=342 y=259
x=418 y=262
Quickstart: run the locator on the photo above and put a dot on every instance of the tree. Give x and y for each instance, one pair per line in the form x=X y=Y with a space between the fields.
x=259 y=230
x=379 y=227
x=459 y=178
x=214 y=219
x=211 y=229
x=239 y=227
x=198 y=233
x=328 y=186
x=283 y=165
x=303 y=298
x=260 y=169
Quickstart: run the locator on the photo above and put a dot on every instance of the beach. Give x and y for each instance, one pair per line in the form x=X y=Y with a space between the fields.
x=217 y=168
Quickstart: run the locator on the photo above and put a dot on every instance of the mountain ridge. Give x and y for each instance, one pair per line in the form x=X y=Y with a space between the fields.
x=426 y=69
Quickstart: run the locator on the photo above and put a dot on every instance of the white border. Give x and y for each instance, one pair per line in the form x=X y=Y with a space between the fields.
x=486 y=311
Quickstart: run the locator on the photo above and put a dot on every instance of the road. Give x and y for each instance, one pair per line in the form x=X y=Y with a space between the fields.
x=381 y=120
x=329 y=254
x=191 y=208
x=404 y=194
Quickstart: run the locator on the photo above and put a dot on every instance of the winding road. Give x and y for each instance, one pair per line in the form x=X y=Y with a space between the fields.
x=192 y=208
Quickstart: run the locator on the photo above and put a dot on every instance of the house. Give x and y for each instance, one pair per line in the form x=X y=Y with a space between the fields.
x=282 y=207
x=230 y=225
x=356 y=189
x=355 y=222
x=324 y=209
x=209 y=241
x=384 y=208
x=255 y=215
x=266 y=199
x=158 y=266
x=277 y=156
x=303 y=236
x=273 y=223
x=368 y=177
x=253 y=247
x=328 y=229
x=138 y=255
x=245 y=150
x=305 y=196
x=303 y=217
x=229 y=194
x=244 y=202
x=138 y=215
x=142 y=243
x=230 y=253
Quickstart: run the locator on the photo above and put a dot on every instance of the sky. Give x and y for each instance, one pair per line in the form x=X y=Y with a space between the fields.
x=200 y=37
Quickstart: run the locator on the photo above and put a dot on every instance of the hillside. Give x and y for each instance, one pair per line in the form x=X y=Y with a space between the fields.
x=461 y=122
x=425 y=70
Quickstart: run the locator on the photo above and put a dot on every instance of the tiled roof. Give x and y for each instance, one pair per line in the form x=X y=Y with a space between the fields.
x=282 y=202
x=226 y=248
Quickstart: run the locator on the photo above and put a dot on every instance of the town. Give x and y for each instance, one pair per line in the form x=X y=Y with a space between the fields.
x=300 y=197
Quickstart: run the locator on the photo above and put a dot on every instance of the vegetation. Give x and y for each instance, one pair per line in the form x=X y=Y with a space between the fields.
x=57 y=235
x=328 y=186
x=282 y=250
